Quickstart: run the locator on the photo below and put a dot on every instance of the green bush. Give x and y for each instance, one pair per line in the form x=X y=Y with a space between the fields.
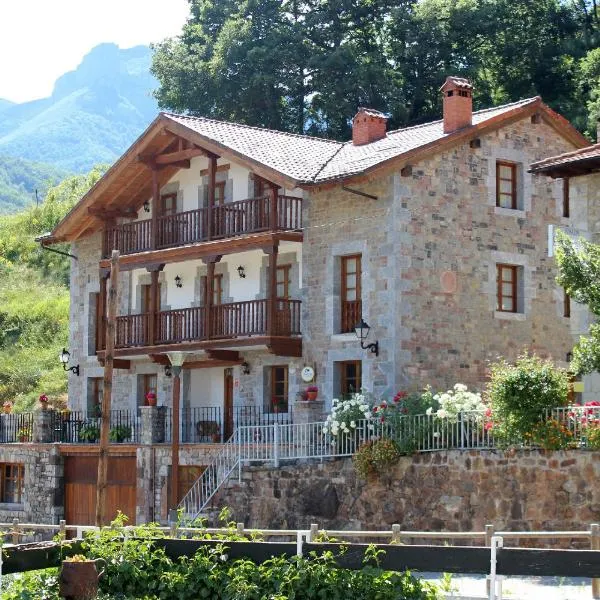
x=521 y=394
x=376 y=457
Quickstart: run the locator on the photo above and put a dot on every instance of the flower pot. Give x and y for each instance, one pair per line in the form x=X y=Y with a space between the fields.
x=312 y=395
x=151 y=400
x=79 y=580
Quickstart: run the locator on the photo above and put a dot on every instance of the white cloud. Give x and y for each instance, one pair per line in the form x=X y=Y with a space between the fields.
x=42 y=39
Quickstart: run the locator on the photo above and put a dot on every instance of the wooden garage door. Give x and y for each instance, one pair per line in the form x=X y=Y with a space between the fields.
x=81 y=475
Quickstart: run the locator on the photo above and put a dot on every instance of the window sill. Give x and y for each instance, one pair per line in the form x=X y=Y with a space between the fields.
x=509 y=316
x=509 y=212
x=12 y=506
x=344 y=337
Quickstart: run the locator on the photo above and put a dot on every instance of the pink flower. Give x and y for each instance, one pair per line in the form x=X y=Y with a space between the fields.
x=43 y=399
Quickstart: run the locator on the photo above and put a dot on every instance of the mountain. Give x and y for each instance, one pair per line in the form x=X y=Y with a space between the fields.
x=20 y=178
x=93 y=115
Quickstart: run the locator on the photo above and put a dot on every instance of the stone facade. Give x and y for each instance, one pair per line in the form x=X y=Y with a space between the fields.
x=454 y=491
x=42 y=499
x=430 y=244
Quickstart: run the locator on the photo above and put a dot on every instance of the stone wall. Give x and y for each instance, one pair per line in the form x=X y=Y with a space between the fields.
x=430 y=243
x=454 y=490
x=42 y=498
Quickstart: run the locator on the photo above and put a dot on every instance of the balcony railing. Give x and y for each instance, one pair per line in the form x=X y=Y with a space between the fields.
x=225 y=221
x=227 y=321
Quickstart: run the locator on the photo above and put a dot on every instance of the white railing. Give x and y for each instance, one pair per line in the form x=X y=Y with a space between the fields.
x=308 y=441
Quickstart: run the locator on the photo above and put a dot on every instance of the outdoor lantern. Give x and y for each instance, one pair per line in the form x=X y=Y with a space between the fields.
x=241 y=272
x=569 y=357
x=245 y=368
x=146 y=206
x=64 y=357
x=178 y=281
x=362 y=330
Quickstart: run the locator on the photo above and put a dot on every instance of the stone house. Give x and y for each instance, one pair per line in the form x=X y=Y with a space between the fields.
x=252 y=255
x=256 y=252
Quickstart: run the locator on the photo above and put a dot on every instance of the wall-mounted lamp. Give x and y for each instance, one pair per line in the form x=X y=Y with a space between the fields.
x=362 y=330
x=168 y=371
x=146 y=206
x=178 y=282
x=64 y=359
x=241 y=272
x=245 y=368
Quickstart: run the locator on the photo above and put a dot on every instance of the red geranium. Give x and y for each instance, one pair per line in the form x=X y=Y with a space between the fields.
x=43 y=399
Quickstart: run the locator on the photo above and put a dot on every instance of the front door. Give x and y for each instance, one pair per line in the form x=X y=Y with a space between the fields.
x=228 y=404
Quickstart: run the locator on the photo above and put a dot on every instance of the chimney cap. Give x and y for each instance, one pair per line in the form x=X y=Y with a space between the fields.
x=456 y=82
x=370 y=112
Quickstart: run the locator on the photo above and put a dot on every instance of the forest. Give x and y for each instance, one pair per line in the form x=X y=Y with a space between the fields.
x=305 y=65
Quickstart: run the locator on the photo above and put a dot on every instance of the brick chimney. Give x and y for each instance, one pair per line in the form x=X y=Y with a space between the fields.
x=368 y=126
x=458 y=103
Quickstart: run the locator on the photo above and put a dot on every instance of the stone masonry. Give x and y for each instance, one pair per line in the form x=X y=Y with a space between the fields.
x=454 y=490
x=429 y=245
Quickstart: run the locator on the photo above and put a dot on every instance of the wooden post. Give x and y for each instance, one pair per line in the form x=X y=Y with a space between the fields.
x=208 y=301
x=155 y=209
x=101 y=316
x=153 y=308
x=176 y=370
x=107 y=395
x=595 y=545
x=272 y=291
x=273 y=208
x=212 y=175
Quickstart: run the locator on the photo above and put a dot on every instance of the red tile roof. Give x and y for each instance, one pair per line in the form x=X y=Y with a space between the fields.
x=589 y=155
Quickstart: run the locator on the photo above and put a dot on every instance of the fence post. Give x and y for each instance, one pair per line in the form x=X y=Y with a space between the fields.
x=239 y=529
x=276 y=444
x=395 y=533
x=173 y=530
x=239 y=451
x=15 y=531
x=62 y=530
x=497 y=543
x=313 y=533
x=462 y=431
x=489 y=533
x=595 y=545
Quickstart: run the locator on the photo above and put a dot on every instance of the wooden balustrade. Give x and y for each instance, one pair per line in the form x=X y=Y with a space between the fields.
x=132 y=330
x=228 y=321
x=180 y=325
x=231 y=219
x=128 y=238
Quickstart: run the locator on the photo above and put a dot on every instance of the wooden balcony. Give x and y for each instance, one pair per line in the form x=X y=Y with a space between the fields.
x=234 y=219
x=235 y=321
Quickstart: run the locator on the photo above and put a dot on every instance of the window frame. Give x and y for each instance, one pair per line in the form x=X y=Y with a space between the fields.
x=18 y=479
x=164 y=212
x=513 y=180
x=345 y=326
x=566 y=305
x=344 y=379
x=219 y=200
x=500 y=296
x=283 y=404
x=566 y=198
x=96 y=395
x=286 y=270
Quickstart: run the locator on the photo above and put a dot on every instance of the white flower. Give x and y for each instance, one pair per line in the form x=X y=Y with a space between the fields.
x=436 y=434
x=429 y=411
x=343 y=424
x=442 y=414
x=325 y=429
x=352 y=424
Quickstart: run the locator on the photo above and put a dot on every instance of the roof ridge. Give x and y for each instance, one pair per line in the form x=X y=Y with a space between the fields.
x=569 y=154
x=303 y=136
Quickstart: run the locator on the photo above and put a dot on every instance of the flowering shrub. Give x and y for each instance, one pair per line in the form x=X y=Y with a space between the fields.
x=375 y=457
x=458 y=400
x=414 y=403
x=588 y=414
x=552 y=435
x=592 y=437
x=345 y=415
x=520 y=395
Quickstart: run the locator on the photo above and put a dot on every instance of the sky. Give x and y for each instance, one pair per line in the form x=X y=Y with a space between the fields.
x=42 y=39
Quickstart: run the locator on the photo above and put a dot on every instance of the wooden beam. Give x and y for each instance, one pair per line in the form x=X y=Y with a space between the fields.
x=160 y=359
x=255 y=241
x=118 y=363
x=230 y=355
x=155 y=209
x=211 y=364
x=292 y=347
x=220 y=168
x=112 y=213
x=175 y=157
x=101 y=489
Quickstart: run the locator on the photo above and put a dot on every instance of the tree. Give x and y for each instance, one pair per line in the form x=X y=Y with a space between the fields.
x=579 y=274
